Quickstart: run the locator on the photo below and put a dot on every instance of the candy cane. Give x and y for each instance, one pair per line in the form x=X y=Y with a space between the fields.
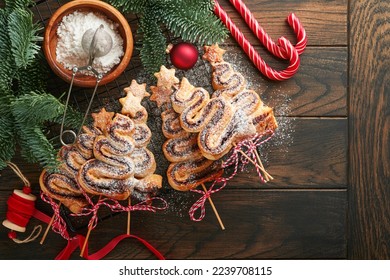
x=264 y=38
x=291 y=52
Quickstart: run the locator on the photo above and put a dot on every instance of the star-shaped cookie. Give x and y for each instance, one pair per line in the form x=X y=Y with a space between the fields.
x=166 y=77
x=213 y=53
x=102 y=119
x=131 y=103
x=160 y=95
x=137 y=89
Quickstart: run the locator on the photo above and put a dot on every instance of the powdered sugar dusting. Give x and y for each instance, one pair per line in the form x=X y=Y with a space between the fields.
x=284 y=134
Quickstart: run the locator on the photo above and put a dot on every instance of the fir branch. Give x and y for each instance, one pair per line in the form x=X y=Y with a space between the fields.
x=33 y=77
x=192 y=20
x=5 y=104
x=7 y=133
x=72 y=120
x=205 y=5
x=7 y=139
x=31 y=112
x=7 y=69
x=24 y=106
x=40 y=107
x=200 y=27
x=23 y=36
x=35 y=147
x=11 y=5
x=154 y=43
x=135 y=6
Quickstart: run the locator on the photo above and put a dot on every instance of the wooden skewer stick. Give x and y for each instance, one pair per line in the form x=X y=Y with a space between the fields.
x=214 y=209
x=254 y=163
x=267 y=175
x=87 y=237
x=48 y=227
x=128 y=218
x=86 y=241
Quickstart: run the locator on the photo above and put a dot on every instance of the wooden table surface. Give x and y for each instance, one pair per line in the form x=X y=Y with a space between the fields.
x=330 y=159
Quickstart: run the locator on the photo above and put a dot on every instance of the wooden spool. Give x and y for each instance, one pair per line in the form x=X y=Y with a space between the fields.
x=11 y=225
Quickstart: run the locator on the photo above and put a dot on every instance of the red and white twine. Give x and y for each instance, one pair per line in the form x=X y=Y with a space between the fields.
x=115 y=206
x=200 y=203
x=59 y=225
x=249 y=147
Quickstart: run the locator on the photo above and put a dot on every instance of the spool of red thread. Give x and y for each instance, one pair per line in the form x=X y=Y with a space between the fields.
x=21 y=207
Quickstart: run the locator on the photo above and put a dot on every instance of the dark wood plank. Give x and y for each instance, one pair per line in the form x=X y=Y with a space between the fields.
x=259 y=225
x=325 y=21
x=305 y=153
x=318 y=89
x=369 y=105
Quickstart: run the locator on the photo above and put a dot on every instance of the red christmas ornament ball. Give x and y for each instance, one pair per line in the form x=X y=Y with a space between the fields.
x=184 y=55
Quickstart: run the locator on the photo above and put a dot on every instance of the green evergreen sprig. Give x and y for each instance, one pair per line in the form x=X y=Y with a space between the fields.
x=154 y=44
x=191 y=20
x=22 y=33
x=25 y=107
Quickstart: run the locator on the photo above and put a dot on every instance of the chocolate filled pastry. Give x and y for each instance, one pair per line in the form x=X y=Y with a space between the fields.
x=183 y=148
x=144 y=162
x=188 y=168
x=231 y=84
x=64 y=189
x=141 y=135
x=226 y=81
x=220 y=121
x=187 y=175
x=62 y=185
x=111 y=172
x=233 y=114
x=171 y=127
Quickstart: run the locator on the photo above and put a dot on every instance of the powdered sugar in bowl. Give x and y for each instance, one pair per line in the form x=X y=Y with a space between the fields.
x=62 y=41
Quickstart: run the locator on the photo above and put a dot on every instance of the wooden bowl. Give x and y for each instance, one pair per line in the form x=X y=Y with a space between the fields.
x=51 y=39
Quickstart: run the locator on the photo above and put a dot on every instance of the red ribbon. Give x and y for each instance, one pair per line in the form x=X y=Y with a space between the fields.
x=59 y=226
x=19 y=210
x=78 y=242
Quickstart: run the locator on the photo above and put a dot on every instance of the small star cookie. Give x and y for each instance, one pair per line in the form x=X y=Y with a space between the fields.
x=160 y=95
x=213 y=53
x=102 y=119
x=131 y=103
x=166 y=77
x=137 y=89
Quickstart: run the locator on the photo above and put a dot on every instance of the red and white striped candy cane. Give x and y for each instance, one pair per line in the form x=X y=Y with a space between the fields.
x=291 y=52
x=264 y=38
